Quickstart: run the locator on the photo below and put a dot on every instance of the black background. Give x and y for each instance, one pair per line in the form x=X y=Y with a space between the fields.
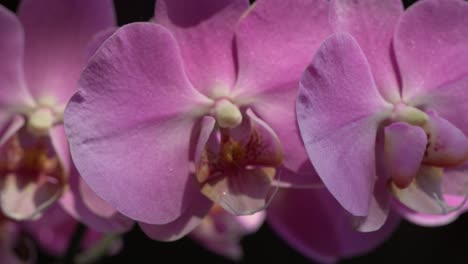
x=409 y=244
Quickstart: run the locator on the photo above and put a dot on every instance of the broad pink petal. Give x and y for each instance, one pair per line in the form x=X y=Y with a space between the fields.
x=204 y=30
x=404 y=150
x=198 y=207
x=430 y=45
x=425 y=194
x=13 y=91
x=98 y=39
x=315 y=224
x=57 y=33
x=338 y=110
x=285 y=41
x=372 y=23
x=136 y=107
x=449 y=100
x=85 y=206
x=379 y=209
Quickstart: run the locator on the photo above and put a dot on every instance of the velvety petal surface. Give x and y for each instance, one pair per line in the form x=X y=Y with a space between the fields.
x=430 y=45
x=312 y=222
x=339 y=109
x=98 y=39
x=130 y=124
x=198 y=207
x=13 y=91
x=286 y=46
x=372 y=23
x=379 y=209
x=85 y=206
x=57 y=33
x=204 y=31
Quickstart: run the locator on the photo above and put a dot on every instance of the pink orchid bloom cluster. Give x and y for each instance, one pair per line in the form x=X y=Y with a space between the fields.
x=330 y=120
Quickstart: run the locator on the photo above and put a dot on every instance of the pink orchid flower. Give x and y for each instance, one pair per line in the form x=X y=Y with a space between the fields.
x=381 y=109
x=43 y=51
x=222 y=232
x=196 y=109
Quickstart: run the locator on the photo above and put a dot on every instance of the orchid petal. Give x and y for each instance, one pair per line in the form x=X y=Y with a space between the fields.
x=430 y=45
x=314 y=223
x=98 y=39
x=372 y=23
x=204 y=30
x=449 y=100
x=379 y=208
x=404 y=150
x=339 y=110
x=85 y=206
x=13 y=91
x=285 y=47
x=57 y=34
x=198 y=207
x=131 y=111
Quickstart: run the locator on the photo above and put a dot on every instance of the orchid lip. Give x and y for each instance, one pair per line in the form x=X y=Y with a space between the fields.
x=236 y=167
